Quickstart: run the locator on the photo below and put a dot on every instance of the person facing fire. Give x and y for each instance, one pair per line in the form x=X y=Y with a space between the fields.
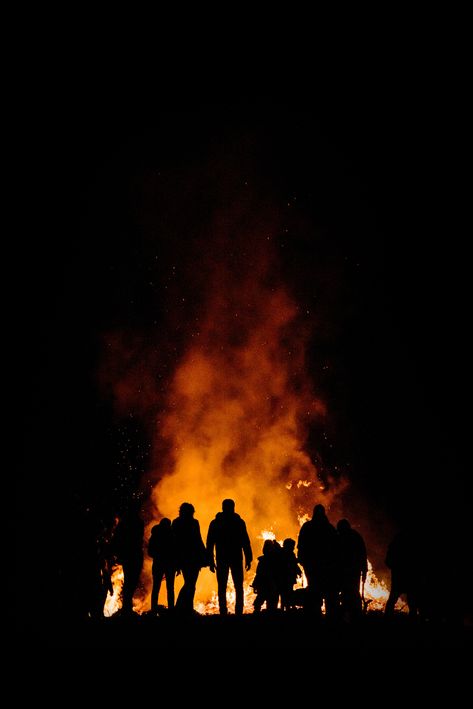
x=190 y=555
x=161 y=549
x=127 y=548
x=266 y=583
x=290 y=571
x=403 y=558
x=318 y=554
x=353 y=566
x=229 y=537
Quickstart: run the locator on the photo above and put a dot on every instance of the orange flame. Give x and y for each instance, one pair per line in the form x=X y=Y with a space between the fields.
x=237 y=408
x=375 y=590
x=377 y=593
x=113 y=602
x=238 y=412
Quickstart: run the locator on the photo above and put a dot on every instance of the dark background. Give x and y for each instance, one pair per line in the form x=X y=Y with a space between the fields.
x=380 y=177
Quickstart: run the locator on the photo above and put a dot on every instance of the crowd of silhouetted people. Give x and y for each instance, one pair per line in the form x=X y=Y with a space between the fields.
x=333 y=560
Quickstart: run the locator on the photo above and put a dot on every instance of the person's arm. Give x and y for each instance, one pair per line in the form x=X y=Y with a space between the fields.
x=176 y=545
x=364 y=559
x=210 y=546
x=246 y=547
x=257 y=579
x=151 y=547
x=301 y=544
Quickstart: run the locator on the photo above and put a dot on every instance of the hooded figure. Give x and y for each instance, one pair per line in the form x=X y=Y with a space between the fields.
x=227 y=534
x=190 y=555
x=318 y=551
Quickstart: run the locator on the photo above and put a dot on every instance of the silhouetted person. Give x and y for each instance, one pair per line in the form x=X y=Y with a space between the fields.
x=353 y=566
x=228 y=535
x=105 y=571
x=127 y=547
x=266 y=581
x=403 y=560
x=289 y=571
x=191 y=555
x=106 y=583
x=91 y=563
x=161 y=549
x=318 y=554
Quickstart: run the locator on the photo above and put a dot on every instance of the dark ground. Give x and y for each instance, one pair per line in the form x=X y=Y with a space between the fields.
x=252 y=632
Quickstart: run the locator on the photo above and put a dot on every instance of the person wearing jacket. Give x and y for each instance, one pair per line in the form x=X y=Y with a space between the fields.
x=228 y=538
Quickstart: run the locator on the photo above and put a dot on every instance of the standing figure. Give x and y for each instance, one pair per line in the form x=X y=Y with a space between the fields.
x=290 y=571
x=403 y=559
x=353 y=566
x=190 y=555
x=266 y=581
x=127 y=547
x=161 y=550
x=228 y=535
x=318 y=554
x=93 y=570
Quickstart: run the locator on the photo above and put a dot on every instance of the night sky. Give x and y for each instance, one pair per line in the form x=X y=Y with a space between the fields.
x=372 y=190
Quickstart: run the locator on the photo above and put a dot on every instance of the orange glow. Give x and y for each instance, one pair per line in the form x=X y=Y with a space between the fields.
x=376 y=591
x=113 y=603
x=233 y=418
x=239 y=408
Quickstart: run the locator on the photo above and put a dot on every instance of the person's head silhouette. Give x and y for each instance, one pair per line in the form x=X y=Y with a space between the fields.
x=186 y=510
x=228 y=506
x=343 y=526
x=289 y=544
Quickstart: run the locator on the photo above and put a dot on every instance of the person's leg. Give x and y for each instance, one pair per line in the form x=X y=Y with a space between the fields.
x=185 y=599
x=131 y=576
x=354 y=602
x=170 y=575
x=237 y=578
x=272 y=599
x=286 y=596
x=157 y=578
x=313 y=602
x=181 y=596
x=330 y=594
x=222 y=580
x=258 y=602
x=192 y=577
x=393 y=596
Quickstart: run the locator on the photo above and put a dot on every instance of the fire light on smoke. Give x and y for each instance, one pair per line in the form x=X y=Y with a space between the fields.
x=237 y=408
